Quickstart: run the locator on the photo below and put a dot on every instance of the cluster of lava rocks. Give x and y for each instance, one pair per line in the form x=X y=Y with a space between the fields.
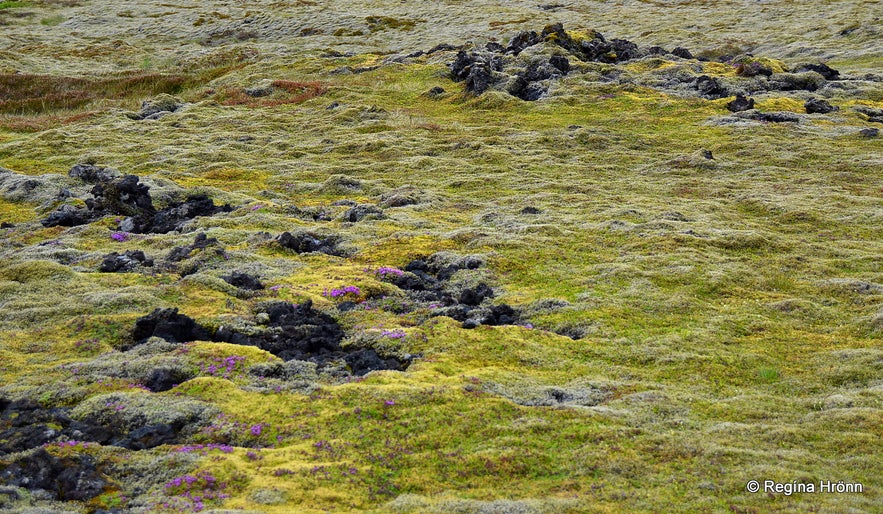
x=292 y=332
x=126 y=196
x=495 y=67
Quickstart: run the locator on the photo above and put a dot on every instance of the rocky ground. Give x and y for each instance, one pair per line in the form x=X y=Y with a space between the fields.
x=439 y=257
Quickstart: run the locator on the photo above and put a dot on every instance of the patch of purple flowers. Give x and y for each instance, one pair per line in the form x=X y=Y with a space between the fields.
x=386 y=270
x=223 y=366
x=192 y=491
x=119 y=236
x=394 y=334
x=204 y=448
x=337 y=293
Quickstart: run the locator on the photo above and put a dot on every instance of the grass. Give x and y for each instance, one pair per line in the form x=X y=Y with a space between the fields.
x=715 y=347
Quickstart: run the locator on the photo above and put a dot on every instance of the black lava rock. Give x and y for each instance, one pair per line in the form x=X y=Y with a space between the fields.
x=475 y=295
x=163 y=379
x=67 y=216
x=710 y=88
x=818 y=106
x=521 y=41
x=741 y=103
x=367 y=360
x=131 y=259
x=91 y=173
x=68 y=479
x=173 y=217
x=169 y=325
x=501 y=315
x=822 y=69
x=149 y=436
x=773 y=117
x=360 y=212
x=243 y=281
x=561 y=63
x=200 y=242
x=681 y=52
x=127 y=196
x=306 y=242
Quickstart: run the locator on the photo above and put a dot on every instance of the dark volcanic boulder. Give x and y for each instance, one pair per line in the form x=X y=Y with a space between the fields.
x=475 y=295
x=91 y=173
x=67 y=216
x=165 y=378
x=740 y=103
x=682 y=52
x=173 y=217
x=68 y=479
x=367 y=360
x=476 y=69
x=362 y=211
x=822 y=69
x=169 y=325
x=298 y=332
x=149 y=436
x=710 y=88
x=501 y=315
x=25 y=424
x=306 y=242
x=200 y=242
x=521 y=41
x=561 y=63
x=131 y=259
x=818 y=106
x=243 y=281
x=771 y=117
x=125 y=196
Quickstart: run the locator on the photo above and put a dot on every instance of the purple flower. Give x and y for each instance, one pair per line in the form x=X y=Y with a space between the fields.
x=386 y=270
x=119 y=236
x=393 y=334
x=256 y=429
x=389 y=402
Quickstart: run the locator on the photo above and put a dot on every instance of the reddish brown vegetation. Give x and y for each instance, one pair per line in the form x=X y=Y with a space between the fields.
x=286 y=92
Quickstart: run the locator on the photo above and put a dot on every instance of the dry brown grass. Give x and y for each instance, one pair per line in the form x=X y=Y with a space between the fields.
x=41 y=122
x=288 y=92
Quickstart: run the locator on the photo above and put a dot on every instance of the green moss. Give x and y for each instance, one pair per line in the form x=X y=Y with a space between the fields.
x=715 y=318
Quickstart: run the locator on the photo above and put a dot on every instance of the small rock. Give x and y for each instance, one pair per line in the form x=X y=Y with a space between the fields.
x=67 y=216
x=259 y=91
x=91 y=173
x=740 y=103
x=869 y=132
x=818 y=106
x=131 y=259
x=243 y=281
x=560 y=62
x=161 y=104
x=822 y=69
x=682 y=52
x=710 y=88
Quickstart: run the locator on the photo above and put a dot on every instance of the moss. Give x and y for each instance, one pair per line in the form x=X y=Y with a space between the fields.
x=698 y=326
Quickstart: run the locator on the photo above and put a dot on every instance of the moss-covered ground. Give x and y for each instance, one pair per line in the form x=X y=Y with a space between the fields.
x=730 y=311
